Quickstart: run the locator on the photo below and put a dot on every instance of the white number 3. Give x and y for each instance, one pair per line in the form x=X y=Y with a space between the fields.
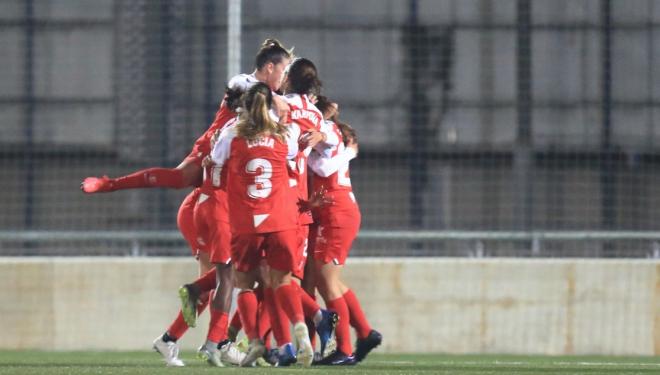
x=262 y=185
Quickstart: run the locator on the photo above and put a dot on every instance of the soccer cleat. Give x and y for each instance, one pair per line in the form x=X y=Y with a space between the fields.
x=188 y=306
x=229 y=353
x=305 y=350
x=170 y=352
x=210 y=354
x=261 y=362
x=367 y=344
x=243 y=345
x=255 y=350
x=326 y=328
x=286 y=356
x=92 y=185
x=337 y=359
x=272 y=356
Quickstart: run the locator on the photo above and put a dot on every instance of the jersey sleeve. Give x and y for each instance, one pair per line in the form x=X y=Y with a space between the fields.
x=222 y=148
x=292 y=141
x=242 y=82
x=332 y=139
x=326 y=166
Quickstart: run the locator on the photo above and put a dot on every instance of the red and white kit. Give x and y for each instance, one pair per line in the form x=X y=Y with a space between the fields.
x=210 y=217
x=261 y=204
x=307 y=117
x=339 y=221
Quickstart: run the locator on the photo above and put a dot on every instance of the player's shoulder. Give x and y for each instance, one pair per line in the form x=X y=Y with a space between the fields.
x=293 y=99
x=242 y=81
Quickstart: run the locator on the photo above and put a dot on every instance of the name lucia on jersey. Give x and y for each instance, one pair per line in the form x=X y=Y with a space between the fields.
x=300 y=114
x=263 y=142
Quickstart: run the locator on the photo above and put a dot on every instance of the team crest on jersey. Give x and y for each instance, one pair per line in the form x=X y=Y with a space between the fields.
x=263 y=142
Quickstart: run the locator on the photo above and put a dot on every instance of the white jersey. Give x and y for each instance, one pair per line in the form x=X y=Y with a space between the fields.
x=242 y=82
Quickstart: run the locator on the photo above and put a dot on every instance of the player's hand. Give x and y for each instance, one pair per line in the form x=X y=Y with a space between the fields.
x=316 y=200
x=311 y=138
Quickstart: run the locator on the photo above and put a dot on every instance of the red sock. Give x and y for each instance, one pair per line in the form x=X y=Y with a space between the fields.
x=179 y=327
x=279 y=322
x=358 y=319
x=148 y=178
x=289 y=300
x=259 y=292
x=342 y=332
x=236 y=321
x=207 y=281
x=309 y=305
x=247 y=305
x=263 y=321
x=217 y=325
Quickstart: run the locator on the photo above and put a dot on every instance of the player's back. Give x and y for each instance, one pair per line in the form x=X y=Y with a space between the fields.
x=260 y=199
x=304 y=112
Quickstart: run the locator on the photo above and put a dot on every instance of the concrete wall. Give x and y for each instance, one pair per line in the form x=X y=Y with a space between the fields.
x=419 y=304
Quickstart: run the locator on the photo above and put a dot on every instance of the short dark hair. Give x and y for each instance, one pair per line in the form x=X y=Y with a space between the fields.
x=271 y=51
x=233 y=98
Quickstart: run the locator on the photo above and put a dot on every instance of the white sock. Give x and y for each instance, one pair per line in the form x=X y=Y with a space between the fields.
x=211 y=345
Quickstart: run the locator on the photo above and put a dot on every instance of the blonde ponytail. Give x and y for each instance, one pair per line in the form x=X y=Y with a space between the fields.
x=255 y=121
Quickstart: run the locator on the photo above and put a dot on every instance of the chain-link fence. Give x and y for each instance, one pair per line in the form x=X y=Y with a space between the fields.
x=509 y=127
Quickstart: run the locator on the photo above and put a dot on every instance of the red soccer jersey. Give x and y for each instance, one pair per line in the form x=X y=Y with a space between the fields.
x=307 y=117
x=260 y=200
x=332 y=174
x=214 y=177
x=202 y=146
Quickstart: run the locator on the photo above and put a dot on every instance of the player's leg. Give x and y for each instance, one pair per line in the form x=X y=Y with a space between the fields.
x=329 y=257
x=219 y=308
x=329 y=275
x=246 y=255
x=367 y=338
x=279 y=323
x=166 y=344
x=203 y=239
x=283 y=259
x=186 y=174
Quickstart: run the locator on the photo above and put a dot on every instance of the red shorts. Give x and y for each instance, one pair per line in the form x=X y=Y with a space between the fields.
x=185 y=220
x=281 y=250
x=303 y=243
x=334 y=243
x=213 y=235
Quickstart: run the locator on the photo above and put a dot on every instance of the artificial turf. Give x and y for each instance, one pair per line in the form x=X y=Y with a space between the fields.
x=36 y=362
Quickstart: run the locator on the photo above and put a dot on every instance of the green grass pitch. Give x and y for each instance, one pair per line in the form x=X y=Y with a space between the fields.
x=34 y=362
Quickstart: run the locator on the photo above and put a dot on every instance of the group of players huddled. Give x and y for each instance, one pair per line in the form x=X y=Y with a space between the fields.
x=254 y=215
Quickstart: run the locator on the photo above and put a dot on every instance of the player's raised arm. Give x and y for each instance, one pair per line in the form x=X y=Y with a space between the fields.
x=324 y=166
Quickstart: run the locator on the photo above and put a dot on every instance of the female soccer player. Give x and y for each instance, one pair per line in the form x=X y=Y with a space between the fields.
x=270 y=62
x=264 y=214
x=301 y=81
x=338 y=225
